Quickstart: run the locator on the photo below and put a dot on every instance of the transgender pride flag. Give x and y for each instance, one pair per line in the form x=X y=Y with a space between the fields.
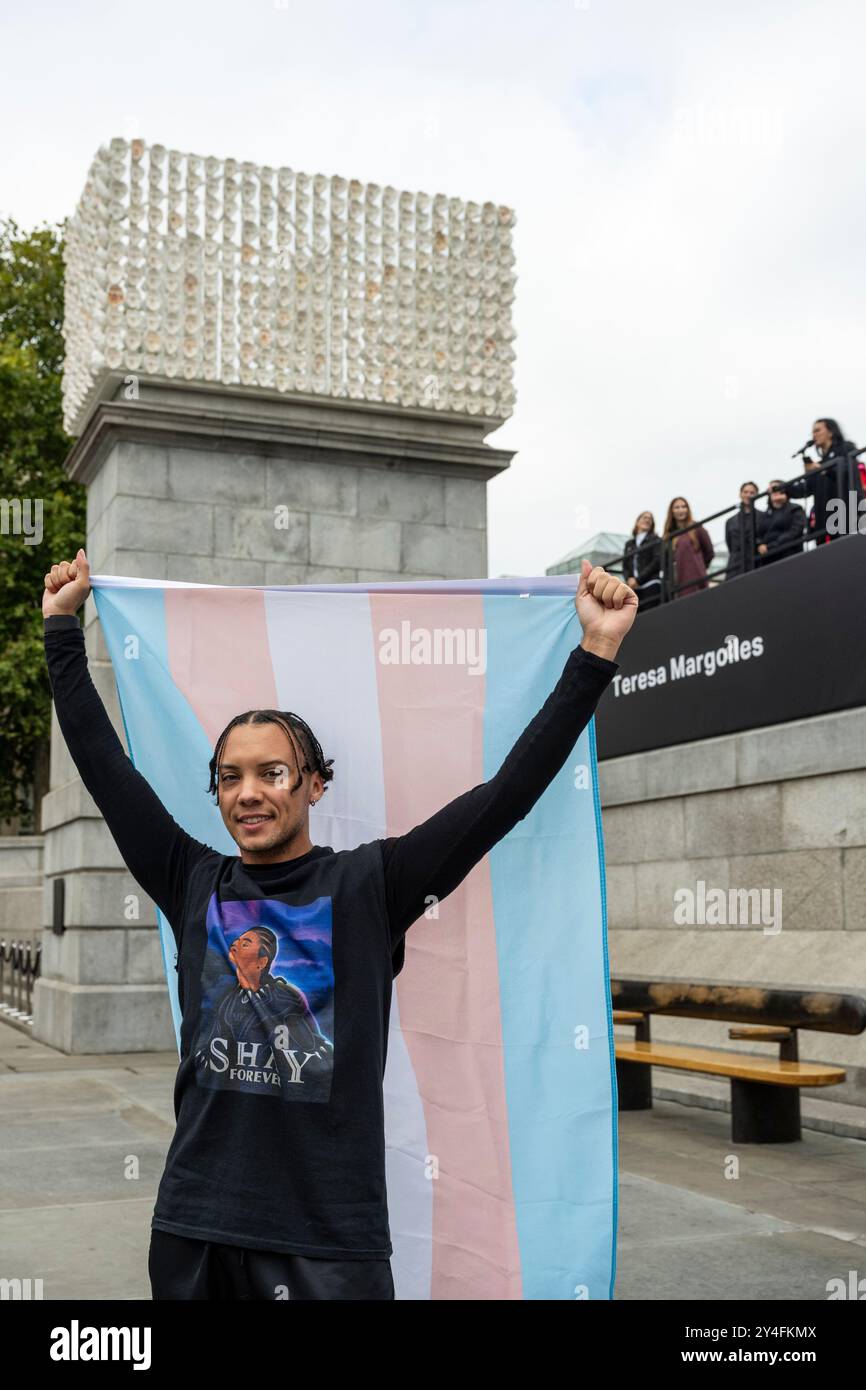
x=500 y=1092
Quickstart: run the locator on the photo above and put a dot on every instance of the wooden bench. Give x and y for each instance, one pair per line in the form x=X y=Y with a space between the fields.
x=765 y=1091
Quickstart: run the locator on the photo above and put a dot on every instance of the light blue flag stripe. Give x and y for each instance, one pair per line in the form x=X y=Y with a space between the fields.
x=165 y=739
x=549 y=909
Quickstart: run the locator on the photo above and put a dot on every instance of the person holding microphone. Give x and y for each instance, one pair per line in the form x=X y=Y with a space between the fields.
x=833 y=484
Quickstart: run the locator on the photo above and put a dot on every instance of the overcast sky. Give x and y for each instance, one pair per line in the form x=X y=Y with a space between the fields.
x=687 y=177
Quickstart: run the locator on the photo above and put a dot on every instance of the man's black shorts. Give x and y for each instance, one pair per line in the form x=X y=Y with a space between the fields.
x=204 y=1269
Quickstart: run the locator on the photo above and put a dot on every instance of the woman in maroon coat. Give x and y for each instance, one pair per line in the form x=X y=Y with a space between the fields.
x=692 y=552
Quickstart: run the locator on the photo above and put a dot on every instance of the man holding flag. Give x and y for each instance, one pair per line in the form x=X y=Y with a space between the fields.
x=274 y=1183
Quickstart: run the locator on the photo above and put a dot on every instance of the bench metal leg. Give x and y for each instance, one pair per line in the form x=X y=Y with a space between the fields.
x=634 y=1084
x=762 y=1114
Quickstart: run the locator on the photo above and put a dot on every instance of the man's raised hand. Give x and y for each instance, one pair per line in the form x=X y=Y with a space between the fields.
x=66 y=586
x=606 y=608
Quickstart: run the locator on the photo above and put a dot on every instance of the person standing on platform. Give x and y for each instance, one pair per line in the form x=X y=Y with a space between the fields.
x=835 y=484
x=783 y=524
x=692 y=551
x=642 y=562
x=743 y=531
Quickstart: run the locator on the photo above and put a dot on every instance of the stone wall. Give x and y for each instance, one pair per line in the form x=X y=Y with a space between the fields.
x=781 y=807
x=20 y=887
x=348 y=522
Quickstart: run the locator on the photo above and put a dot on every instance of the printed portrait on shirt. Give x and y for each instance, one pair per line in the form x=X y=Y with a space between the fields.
x=266 y=1022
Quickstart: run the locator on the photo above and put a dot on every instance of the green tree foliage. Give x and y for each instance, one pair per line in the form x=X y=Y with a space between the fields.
x=33 y=446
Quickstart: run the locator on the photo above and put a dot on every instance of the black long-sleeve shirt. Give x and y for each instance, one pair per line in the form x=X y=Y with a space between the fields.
x=280 y=1138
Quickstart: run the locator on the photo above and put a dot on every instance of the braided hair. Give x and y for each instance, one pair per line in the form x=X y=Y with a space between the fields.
x=292 y=724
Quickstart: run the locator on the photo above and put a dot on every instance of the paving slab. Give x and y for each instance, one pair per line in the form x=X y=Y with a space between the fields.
x=83 y=1143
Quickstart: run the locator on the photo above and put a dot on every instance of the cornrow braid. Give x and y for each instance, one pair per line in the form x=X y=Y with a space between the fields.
x=295 y=727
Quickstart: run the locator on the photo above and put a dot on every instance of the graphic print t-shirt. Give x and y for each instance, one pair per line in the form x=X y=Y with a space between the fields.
x=259 y=1031
x=285 y=974
x=285 y=977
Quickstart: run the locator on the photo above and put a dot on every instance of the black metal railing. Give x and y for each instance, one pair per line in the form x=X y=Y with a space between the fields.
x=846 y=481
x=20 y=965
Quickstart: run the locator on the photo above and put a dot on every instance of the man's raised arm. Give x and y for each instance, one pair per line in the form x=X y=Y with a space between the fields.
x=434 y=857
x=155 y=849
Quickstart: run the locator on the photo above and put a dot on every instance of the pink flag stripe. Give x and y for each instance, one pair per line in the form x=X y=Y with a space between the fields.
x=432 y=720
x=219 y=657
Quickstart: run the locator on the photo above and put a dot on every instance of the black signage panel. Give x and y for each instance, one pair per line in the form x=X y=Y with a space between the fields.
x=781 y=643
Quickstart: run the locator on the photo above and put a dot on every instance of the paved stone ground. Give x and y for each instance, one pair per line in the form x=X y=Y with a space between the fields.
x=793 y=1218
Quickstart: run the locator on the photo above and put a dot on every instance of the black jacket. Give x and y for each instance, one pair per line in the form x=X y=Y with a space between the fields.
x=755 y=522
x=826 y=487
x=642 y=562
x=782 y=524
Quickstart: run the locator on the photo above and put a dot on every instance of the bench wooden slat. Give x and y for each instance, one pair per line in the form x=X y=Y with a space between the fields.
x=627 y=1016
x=711 y=1061
x=761 y=1032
